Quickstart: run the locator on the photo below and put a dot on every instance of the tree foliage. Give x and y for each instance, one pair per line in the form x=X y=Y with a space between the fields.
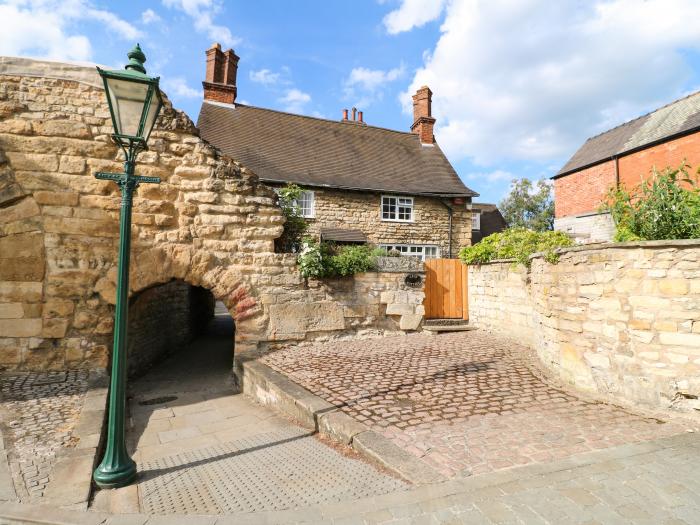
x=515 y=243
x=665 y=206
x=529 y=205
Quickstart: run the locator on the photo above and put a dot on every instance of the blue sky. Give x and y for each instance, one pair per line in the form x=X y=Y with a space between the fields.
x=518 y=84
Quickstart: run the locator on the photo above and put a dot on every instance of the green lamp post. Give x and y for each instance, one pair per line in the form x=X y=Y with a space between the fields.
x=134 y=101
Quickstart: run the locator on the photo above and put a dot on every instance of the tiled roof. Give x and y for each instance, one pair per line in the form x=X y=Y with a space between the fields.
x=342 y=235
x=281 y=147
x=673 y=119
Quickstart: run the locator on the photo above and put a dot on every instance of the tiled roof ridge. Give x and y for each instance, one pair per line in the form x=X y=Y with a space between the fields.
x=322 y=119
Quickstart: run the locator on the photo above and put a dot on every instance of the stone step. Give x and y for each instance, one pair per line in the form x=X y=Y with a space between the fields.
x=436 y=328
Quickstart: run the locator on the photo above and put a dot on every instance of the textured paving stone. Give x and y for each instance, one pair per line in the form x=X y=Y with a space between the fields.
x=466 y=403
x=39 y=413
x=201 y=447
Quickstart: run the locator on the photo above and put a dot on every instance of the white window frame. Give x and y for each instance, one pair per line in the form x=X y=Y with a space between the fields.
x=409 y=202
x=476 y=220
x=414 y=250
x=311 y=212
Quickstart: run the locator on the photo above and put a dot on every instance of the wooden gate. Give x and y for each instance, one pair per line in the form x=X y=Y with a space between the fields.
x=445 y=289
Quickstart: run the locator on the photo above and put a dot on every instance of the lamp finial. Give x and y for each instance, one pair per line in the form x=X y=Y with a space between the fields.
x=136 y=60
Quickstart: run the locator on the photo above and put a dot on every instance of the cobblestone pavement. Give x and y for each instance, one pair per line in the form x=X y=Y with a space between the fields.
x=466 y=403
x=201 y=447
x=38 y=412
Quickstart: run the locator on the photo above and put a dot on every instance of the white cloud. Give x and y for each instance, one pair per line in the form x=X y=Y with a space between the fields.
x=264 y=77
x=491 y=177
x=149 y=16
x=413 y=13
x=178 y=87
x=366 y=85
x=203 y=13
x=532 y=79
x=51 y=28
x=294 y=100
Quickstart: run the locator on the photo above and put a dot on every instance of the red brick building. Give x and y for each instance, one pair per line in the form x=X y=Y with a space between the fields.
x=623 y=155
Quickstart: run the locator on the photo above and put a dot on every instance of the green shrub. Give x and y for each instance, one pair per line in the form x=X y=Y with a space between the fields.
x=295 y=225
x=350 y=260
x=515 y=243
x=666 y=206
x=328 y=260
x=310 y=259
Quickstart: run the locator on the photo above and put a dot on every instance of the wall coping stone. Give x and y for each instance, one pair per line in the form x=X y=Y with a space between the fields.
x=83 y=72
x=665 y=243
x=403 y=264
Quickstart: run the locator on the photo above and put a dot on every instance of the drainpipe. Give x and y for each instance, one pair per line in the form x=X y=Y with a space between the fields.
x=617 y=172
x=449 y=232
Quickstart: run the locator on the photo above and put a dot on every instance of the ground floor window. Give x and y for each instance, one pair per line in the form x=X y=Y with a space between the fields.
x=424 y=251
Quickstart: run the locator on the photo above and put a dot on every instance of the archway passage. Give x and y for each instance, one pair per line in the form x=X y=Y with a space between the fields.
x=180 y=337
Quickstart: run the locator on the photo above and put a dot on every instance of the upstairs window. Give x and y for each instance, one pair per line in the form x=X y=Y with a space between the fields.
x=306 y=204
x=397 y=209
x=476 y=221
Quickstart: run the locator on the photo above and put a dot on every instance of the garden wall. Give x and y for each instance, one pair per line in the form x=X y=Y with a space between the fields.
x=619 y=319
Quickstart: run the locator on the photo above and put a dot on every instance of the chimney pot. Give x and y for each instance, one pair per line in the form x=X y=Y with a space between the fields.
x=345 y=114
x=354 y=114
x=359 y=116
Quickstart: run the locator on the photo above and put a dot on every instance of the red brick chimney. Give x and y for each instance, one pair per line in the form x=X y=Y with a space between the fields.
x=423 y=120
x=220 y=81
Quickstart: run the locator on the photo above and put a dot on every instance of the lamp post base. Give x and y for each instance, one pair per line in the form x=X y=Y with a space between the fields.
x=114 y=478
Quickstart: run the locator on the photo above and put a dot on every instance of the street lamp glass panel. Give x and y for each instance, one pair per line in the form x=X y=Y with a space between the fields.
x=153 y=109
x=127 y=99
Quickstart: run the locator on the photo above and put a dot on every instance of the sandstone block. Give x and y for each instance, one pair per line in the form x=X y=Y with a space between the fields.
x=54 y=328
x=10 y=356
x=410 y=321
x=399 y=309
x=680 y=339
x=290 y=318
x=62 y=128
x=673 y=286
x=11 y=311
x=20 y=291
x=33 y=161
x=71 y=164
x=56 y=198
x=25 y=208
x=20 y=327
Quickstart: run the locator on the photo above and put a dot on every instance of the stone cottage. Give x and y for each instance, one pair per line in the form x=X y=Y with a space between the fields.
x=363 y=183
x=624 y=155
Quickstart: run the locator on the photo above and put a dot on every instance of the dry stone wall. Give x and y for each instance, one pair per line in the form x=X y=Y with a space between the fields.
x=619 y=319
x=210 y=223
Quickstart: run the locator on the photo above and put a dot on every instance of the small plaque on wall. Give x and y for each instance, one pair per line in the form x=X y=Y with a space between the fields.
x=413 y=280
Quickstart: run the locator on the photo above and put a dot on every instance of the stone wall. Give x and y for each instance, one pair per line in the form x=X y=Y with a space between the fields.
x=360 y=210
x=163 y=320
x=619 y=319
x=364 y=305
x=210 y=223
